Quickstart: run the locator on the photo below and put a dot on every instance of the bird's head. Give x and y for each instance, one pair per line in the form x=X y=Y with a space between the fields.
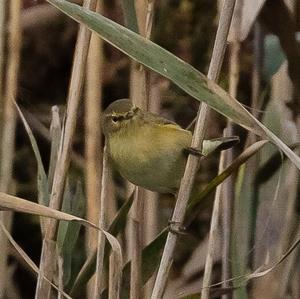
x=119 y=115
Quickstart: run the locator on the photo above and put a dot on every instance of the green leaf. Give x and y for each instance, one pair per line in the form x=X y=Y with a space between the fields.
x=68 y=232
x=130 y=15
x=168 y=65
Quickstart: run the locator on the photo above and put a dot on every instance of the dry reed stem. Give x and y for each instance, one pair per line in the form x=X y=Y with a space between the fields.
x=93 y=147
x=257 y=69
x=115 y=269
x=255 y=105
x=55 y=135
x=213 y=235
x=192 y=162
x=288 y=232
x=93 y=144
x=136 y=243
x=60 y=263
x=102 y=223
x=47 y=262
x=114 y=285
x=139 y=96
x=151 y=205
x=228 y=185
x=2 y=45
x=3 y=246
x=9 y=125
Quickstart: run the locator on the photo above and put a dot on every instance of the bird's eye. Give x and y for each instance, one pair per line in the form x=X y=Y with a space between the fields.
x=114 y=119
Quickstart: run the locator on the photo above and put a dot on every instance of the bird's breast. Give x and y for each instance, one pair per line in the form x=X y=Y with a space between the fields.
x=151 y=157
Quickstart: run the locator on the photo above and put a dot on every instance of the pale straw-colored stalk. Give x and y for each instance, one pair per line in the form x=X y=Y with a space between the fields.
x=228 y=185
x=9 y=124
x=151 y=205
x=150 y=227
x=213 y=236
x=139 y=96
x=192 y=162
x=102 y=224
x=3 y=5
x=93 y=146
x=47 y=261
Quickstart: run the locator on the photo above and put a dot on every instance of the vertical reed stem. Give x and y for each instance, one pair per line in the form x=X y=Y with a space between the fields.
x=192 y=162
x=9 y=122
x=102 y=225
x=79 y=65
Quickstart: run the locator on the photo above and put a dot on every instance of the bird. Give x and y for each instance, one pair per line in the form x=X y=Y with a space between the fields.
x=149 y=150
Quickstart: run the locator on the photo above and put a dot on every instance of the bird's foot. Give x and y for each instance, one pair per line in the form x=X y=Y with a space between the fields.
x=193 y=151
x=176 y=228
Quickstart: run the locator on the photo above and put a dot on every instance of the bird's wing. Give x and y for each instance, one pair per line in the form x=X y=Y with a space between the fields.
x=159 y=120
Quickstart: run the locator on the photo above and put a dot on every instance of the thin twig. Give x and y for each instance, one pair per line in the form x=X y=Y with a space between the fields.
x=76 y=83
x=192 y=162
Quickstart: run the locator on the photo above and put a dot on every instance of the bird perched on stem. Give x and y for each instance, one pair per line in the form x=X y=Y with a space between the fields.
x=149 y=150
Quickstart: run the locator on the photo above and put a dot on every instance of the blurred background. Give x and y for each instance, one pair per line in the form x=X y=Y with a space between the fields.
x=261 y=69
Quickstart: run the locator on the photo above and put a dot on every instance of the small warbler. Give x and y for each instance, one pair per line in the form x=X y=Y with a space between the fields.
x=149 y=150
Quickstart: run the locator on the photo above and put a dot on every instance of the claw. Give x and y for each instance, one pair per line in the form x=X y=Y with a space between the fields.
x=176 y=228
x=193 y=151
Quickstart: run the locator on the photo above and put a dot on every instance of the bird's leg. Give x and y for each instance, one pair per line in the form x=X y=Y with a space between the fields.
x=176 y=228
x=193 y=151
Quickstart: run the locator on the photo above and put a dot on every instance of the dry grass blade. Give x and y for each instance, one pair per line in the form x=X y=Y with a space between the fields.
x=116 y=267
x=9 y=202
x=191 y=166
x=258 y=273
x=28 y=260
x=17 y=204
x=43 y=188
x=55 y=133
